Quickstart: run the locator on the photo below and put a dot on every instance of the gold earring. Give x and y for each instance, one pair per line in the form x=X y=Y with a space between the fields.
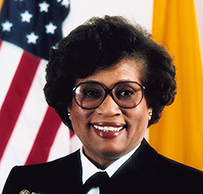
x=150 y=115
x=69 y=115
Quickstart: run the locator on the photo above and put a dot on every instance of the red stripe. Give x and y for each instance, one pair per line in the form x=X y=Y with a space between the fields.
x=45 y=137
x=71 y=133
x=0 y=43
x=16 y=96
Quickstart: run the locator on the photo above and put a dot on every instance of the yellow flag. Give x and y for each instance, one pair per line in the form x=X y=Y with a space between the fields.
x=179 y=133
x=1 y=3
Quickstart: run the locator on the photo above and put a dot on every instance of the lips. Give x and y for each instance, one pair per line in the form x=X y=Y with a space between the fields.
x=108 y=130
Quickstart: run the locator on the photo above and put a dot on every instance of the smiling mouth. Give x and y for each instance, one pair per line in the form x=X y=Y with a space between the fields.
x=108 y=128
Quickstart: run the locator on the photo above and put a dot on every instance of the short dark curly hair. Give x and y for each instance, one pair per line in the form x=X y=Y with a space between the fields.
x=101 y=43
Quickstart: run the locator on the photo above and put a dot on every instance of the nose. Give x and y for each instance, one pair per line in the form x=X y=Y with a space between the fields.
x=108 y=108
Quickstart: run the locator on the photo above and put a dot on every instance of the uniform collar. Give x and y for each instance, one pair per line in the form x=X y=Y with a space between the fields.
x=88 y=168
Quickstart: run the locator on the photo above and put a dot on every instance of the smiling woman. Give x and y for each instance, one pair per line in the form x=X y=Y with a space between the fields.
x=109 y=81
x=115 y=126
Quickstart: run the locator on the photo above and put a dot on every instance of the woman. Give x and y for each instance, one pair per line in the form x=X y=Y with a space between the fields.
x=109 y=81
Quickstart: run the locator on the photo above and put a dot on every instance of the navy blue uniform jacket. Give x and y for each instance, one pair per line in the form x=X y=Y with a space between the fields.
x=145 y=172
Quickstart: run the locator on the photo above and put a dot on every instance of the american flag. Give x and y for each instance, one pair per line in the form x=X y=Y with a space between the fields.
x=30 y=131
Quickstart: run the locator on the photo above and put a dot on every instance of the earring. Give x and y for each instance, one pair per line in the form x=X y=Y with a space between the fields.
x=68 y=113
x=150 y=115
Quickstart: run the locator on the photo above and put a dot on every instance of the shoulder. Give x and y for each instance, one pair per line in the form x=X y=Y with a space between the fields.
x=67 y=162
x=165 y=175
x=44 y=176
x=177 y=176
x=162 y=164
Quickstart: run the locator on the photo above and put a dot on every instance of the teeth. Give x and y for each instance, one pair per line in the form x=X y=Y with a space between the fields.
x=107 y=128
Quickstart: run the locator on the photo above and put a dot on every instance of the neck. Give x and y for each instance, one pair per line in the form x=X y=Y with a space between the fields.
x=101 y=162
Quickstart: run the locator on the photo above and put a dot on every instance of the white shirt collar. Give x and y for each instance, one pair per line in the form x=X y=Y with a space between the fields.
x=88 y=168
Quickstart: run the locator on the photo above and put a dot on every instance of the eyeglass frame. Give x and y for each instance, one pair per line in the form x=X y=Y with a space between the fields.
x=108 y=92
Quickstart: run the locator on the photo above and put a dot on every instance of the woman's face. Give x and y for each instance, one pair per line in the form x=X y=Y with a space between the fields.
x=103 y=148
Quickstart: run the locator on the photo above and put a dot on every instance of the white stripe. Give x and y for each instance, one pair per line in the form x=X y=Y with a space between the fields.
x=30 y=118
x=61 y=144
x=10 y=56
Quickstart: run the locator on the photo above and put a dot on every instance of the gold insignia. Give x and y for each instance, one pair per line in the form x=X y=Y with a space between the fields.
x=24 y=191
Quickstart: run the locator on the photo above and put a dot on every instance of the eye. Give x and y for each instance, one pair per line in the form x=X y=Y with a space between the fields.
x=125 y=94
x=91 y=94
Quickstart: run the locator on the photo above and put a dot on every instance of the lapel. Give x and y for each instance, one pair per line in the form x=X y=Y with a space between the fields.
x=71 y=172
x=135 y=175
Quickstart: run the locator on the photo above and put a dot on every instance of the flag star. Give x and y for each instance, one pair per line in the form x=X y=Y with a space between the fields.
x=50 y=28
x=26 y=16
x=44 y=6
x=65 y=3
x=7 y=26
x=32 y=38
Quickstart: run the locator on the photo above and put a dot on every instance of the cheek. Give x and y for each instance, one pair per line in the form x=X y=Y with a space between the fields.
x=139 y=117
x=75 y=113
x=78 y=117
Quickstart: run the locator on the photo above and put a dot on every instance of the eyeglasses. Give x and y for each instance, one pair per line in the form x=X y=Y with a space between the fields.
x=90 y=95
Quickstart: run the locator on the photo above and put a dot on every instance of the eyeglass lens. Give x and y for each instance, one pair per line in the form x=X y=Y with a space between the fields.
x=90 y=95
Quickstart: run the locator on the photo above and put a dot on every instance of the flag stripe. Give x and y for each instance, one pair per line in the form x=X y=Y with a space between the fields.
x=61 y=140
x=48 y=129
x=16 y=96
x=10 y=56
x=71 y=133
x=27 y=126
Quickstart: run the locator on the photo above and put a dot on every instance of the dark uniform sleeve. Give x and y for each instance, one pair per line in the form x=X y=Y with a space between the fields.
x=11 y=185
